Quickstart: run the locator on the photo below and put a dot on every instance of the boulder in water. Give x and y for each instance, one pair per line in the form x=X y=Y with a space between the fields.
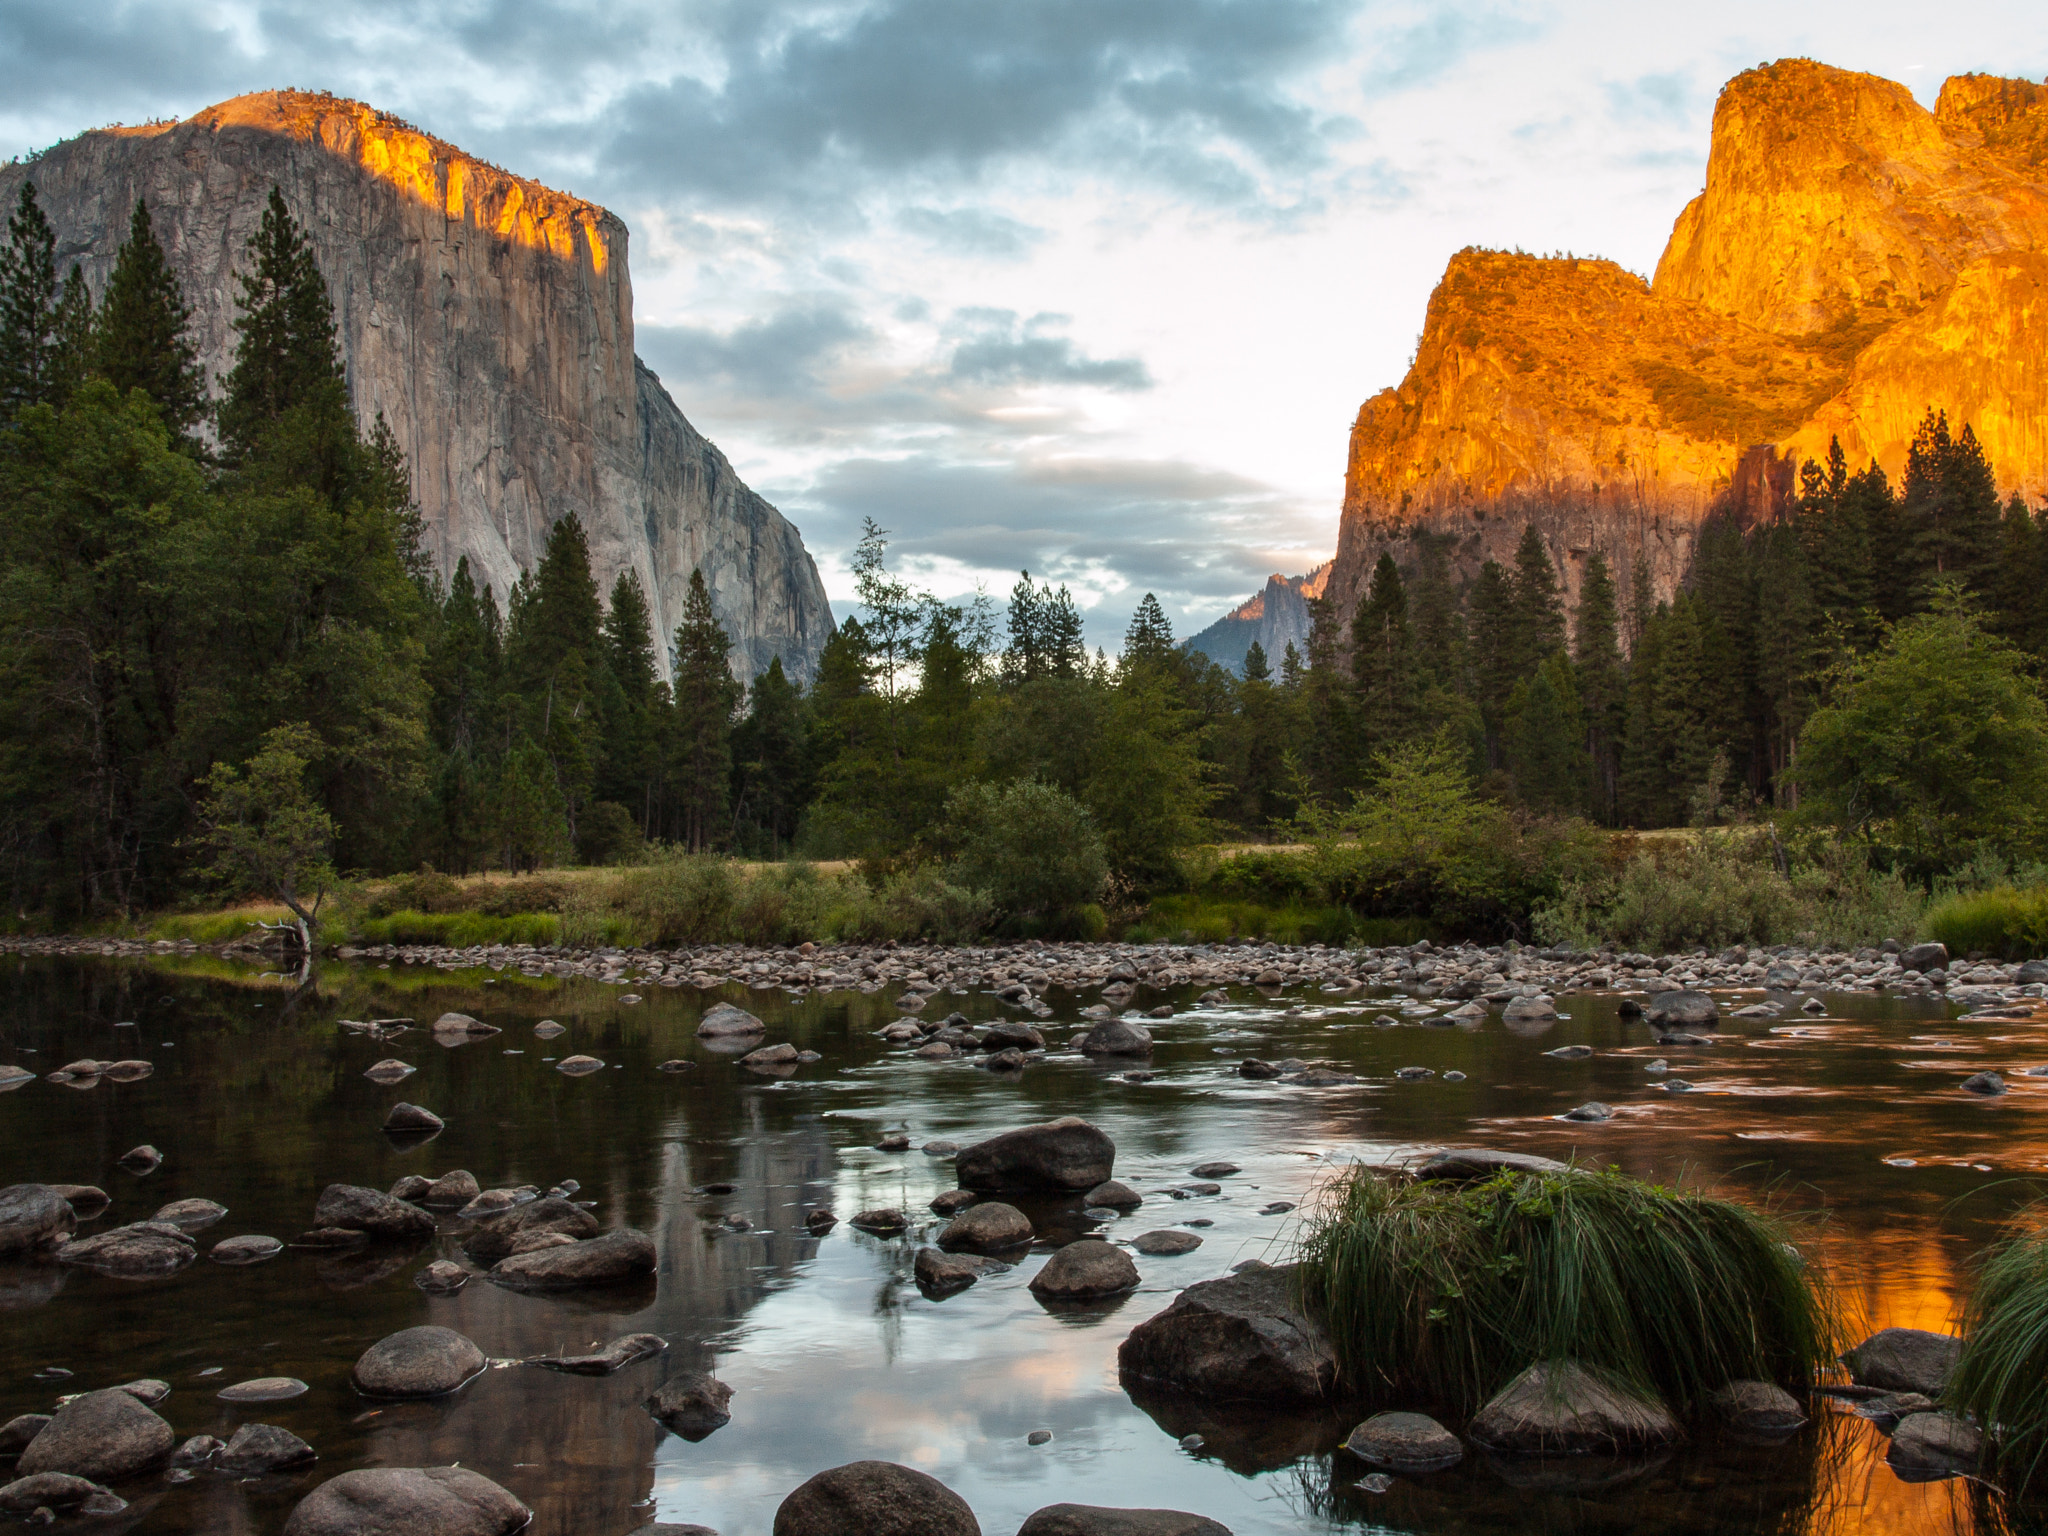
x=1061 y=1156
x=105 y=1436
x=873 y=1498
x=1093 y=1520
x=692 y=1405
x=617 y=1256
x=1904 y=1360
x=417 y=1362
x=419 y=1501
x=260 y=1448
x=1243 y=1337
x=356 y=1209
x=32 y=1217
x=1404 y=1442
x=1085 y=1271
x=1558 y=1407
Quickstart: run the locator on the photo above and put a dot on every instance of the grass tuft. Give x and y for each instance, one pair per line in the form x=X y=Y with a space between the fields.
x=1441 y=1293
x=2002 y=1377
x=2003 y=921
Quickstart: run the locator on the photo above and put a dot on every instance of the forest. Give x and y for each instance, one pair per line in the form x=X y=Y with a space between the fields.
x=227 y=667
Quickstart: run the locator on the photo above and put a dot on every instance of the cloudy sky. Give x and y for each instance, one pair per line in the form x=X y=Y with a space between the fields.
x=1089 y=286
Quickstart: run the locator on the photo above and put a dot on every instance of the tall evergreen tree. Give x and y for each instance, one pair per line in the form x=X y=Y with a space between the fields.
x=631 y=771
x=142 y=341
x=1538 y=604
x=1497 y=651
x=288 y=358
x=1949 y=502
x=705 y=697
x=28 y=305
x=1546 y=739
x=1602 y=681
x=1383 y=670
x=1256 y=667
x=1784 y=645
x=771 y=776
x=1438 y=626
x=1148 y=642
x=74 y=336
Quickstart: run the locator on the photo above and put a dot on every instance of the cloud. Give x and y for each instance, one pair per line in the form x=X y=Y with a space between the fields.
x=971 y=231
x=1448 y=34
x=1004 y=353
x=789 y=353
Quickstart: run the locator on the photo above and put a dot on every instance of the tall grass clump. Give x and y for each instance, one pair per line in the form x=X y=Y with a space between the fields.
x=1438 y=1292
x=2009 y=923
x=2002 y=1376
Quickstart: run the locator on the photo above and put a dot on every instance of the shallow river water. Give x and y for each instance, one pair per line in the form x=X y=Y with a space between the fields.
x=258 y=1101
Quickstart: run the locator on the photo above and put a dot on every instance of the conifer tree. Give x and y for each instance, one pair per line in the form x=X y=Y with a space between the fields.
x=555 y=611
x=1645 y=795
x=1025 y=659
x=1642 y=601
x=1602 y=680
x=1256 y=668
x=1438 y=626
x=1291 y=667
x=1497 y=652
x=1148 y=642
x=1949 y=502
x=630 y=774
x=1383 y=669
x=1538 y=604
x=1784 y=643
x=28 y=303
x=73 y=337
x=288 y=358
x=141 y=340
x=771 y=775
x=1546 y=739
x=1330 y=756
x=705 y=697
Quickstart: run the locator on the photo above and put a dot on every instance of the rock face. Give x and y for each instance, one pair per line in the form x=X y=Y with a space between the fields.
x=1852 y=259
x=874 y=1498
x=1244 y=1337
x=420 y=1501
x=1272 y=619
x=105 y=1436
x=1060 y=1156
x=489 y=318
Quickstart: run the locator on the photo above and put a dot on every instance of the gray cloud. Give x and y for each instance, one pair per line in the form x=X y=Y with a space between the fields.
x=789 y=353
x=1004 y=353
x=971 y=231
x=1417 y=55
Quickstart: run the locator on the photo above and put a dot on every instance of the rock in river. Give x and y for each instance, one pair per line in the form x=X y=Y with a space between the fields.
x=1904 y=1360
x=1085 y=1271
x=142 y=1159
x=389 y=1070
x=251 y=1248
x=940 y=1274
x=260 y=1448
x=1166 y=1244
x=1989 y=1084
x=1115 y=1196
x=1092 y=1520
x=142 y=1250
x=873 y=1498
x=1558 y=1407
x=1405 y=1442
x=105 y=1436
x=264 y=1389
x=692 y=1405
x=412 y=1119
x=457 y=1187
x=191 y=1215
x=34 y=1216
x=1760 y=1407
x=418 y=1501
x=618 y=1353
x=356 y=1209
x=1476 y=1164
x=579 y=1066
x=884 y=1221
x=443 y=1277
x=1929 y=1445
x=1059 y=1156
x=1681 y=1010
x=57 y=1492
x=1242 y=1337
x=417 y=1362
x=16 y=1433
x=617 y=1256
x=726 y=1020
x=988 y=1227
x=1117 y=1037
x=495 y=1239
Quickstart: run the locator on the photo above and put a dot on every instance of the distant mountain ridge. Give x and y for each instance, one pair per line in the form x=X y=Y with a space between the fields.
x=1853 y=260
x=1275 y=616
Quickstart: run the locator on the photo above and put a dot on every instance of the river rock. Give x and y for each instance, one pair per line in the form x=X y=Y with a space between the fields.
x=818 y=1223
x=259 y=1448
x=1115 y=1196
x=1904 y=1360
x=1528 y=1010
x=883 y=1220
x=782 y=1055
x=1989 y=1084
x=463 y=1025
x=1681 y=1010
x=105 y=1436
x=1760 y=1407
x=940 y=1274
x=874 y=1498
x=1256 y=1069
x=417 y=1362
x=949 y=1202
x=190 y=1215
x=443 y=1277
x=16 y=1433
x=579 y=1066
x=1166 y=1244
x=1085 y=1271
x=197 y=1451
x=389 y=1070
x=127 y=1071
x=143 y=1250
x=692 y=1405
x=1934 y=1445
x=1925 y=957
x=12 y=1077
x=1060 y=1156
x=617 y=1256
x=548 y=1029
x=1093 y=1520
x=59 y=1492
x=414 y=1501
x=495 y=1239
x=988 y=1227
x=143 y=1159
x=1405 y=1442
x=34 y=1216
x=726 y=1021
x=264 y=1389
x=1590 y=1113
x=455 y=1188
x=1117 y=1037
x=1242 y=1337
x=356 y=1209
x=618 y=1353
x=413 y=1120
x=410 y=1188
x=1558 y=1407
x=87 y=1200
x=1571 y=1052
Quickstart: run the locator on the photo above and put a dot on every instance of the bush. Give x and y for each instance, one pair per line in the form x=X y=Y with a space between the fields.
x=675 y=898
x=2002 y=1377
x=2011 y=924
x=1441 y=1293
x=1032 y=847
x=606 y=833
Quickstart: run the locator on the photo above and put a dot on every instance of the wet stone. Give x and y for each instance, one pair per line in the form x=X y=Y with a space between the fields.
x=191 y=1215
x=260 y=1448
x=691 y=1405
x=417 y=1362
x=1084 y=1271
x=441 y=1278
x=886 y=1220
x=264 y=1389
x=418 y=1501
x=1405 y=1442
x=1166 y=1244
x=614 y=1356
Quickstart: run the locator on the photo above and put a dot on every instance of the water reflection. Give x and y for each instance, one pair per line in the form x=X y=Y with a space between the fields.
x=833 y=1354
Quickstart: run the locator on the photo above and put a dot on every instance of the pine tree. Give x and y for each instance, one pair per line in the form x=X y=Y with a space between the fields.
x=1723 y=585
x=1602 y=680
x=771 y=771
x=630 y=774
x=1546 y=739
x=1025 y=659
x=1330 y=754
x=1383 y=671
x=74 y=335
x=1148 y=642
x=1642 y=601
x=1496 y=651
x=1256 y=668
x=1868 y=502
x=1291 y=667
x=1645 y=792
x=1438 y=625
x=1834 y=538
x=1538 y=604
x=705 y=697
x=1949 y=503
x=1785 y=643
x=555 y=611
x=141 y=341
x=288 y=358
x=28 y=302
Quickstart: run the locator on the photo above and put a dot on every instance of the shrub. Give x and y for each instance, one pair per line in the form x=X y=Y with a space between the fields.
x=2002 y=1377
x=606 y=833
x=676 y=897
x=1032 y=847
x=2009 y=923
x=1441 y=1293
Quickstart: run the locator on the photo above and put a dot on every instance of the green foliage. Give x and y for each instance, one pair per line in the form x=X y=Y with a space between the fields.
x=28 y=304
x=2011 y=924
x=460 y=930
x=705 y=697
x=140 y=339
x=1203 y=918
x=261 y=829
x=1439 y=1292
x=2001 y=1379
x=1032 y=847
x=287 y=359
x=1934 y=744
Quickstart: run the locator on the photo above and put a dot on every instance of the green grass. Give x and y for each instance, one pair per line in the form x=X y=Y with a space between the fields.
x=215 y=927
x=1441 y=1293
x=2002 y=1377
x=1208 y=919
x=2011 y=924
x=459 y=930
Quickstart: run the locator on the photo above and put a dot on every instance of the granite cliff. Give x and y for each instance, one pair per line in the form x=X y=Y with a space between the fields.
x=490 y=320
x=1853 y=260
x=1275 y=617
